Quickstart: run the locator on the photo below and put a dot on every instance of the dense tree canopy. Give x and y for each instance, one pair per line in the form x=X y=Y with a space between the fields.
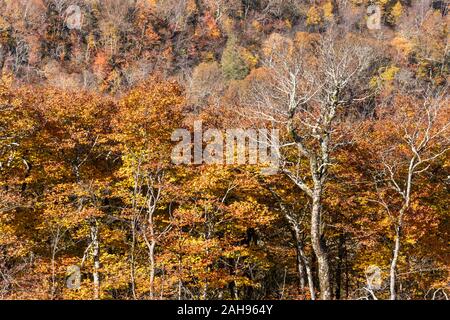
x=93 y=207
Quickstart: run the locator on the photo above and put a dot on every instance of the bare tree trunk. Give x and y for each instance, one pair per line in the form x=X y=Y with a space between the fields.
x=134 y=224
x=151 y=244
x=303 y=264
x=132 y=259
x=96 y=258
x=309 y=275
x=347 y=279
x=55 y=242
x=397 y=243
x=2 y=58
x=300 y=269
x=319 y=246
x=180 y=283
x=307 y=100
x=152 y=268
x=392 y=273
x=398 y=228
x=425 y=131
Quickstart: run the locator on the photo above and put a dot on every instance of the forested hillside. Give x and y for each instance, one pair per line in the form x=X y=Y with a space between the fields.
x=93 y=205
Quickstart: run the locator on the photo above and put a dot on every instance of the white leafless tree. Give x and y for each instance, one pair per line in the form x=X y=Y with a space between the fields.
x=309 y=92
x=424 y=139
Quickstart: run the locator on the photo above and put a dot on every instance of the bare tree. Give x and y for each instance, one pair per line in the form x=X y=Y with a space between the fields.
x=147 y=191
x=422 y=129
x=312 y=84
x=296 y=224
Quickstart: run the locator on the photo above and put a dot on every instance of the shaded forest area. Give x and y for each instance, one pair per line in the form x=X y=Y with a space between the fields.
x=92 y=207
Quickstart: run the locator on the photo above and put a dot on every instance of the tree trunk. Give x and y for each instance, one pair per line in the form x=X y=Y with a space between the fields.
x=96 y=258
x=55 y=243
x=132 y=259
x=319 y=246
x=2 y=58
x=152 y=267
x=398 y=230
x=300 y=269
x=303 y=264
x=392 y=274
x=151 y=244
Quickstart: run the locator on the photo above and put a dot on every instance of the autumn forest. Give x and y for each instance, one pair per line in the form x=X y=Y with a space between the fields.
x=94 y=205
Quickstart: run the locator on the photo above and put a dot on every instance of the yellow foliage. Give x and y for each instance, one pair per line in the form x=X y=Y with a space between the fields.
x=385 y=77
x=288 y=23
x=389 y=73
x=397 y=11
x=383 y=2
x=256 y=25
x=328 y=11
x=313 y=17
x=403 y=46
x=250 y=59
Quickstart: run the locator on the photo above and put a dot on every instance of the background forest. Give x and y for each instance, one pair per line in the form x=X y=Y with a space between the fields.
x=359 y=208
